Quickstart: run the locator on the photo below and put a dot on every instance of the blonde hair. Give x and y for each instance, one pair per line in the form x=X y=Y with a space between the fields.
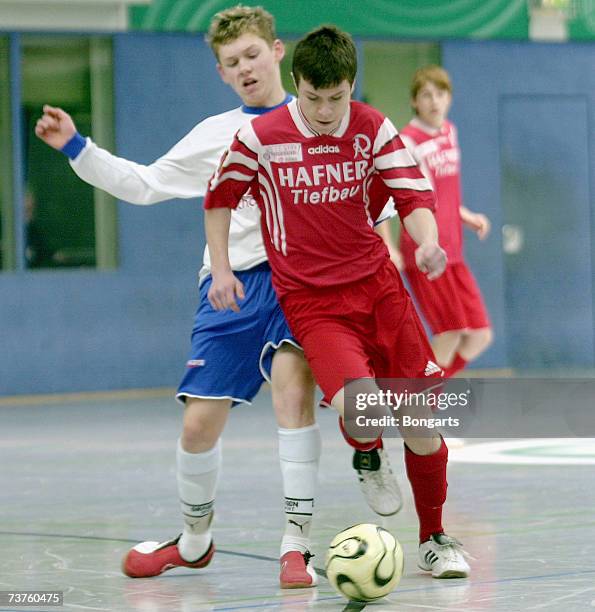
x=432 y=74
x=228 y=25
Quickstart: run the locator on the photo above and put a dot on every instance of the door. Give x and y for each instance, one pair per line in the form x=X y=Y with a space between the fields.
x=546 y=231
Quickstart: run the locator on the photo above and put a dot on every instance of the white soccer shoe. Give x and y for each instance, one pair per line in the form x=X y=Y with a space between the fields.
x=377 y=481
x=444 y=557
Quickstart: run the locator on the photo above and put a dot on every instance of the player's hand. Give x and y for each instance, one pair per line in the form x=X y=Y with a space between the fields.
x=224 y=290
x=430 y=259
x=479 y=223
x=55 y=127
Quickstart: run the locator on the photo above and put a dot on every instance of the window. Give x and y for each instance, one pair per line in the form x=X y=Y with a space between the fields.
x=67 y=224
x=387 y=71
x=6 y=211
x=286 y=77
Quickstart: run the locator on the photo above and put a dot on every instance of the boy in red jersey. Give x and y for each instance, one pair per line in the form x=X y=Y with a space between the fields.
x=314 y=168
x=452 y=305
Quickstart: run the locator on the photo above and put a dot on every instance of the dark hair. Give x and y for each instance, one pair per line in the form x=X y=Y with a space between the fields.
x=325 y=57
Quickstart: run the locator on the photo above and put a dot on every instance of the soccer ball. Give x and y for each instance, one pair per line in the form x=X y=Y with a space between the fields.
x=364 y=562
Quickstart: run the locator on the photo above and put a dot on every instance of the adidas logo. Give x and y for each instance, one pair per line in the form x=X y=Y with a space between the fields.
x=323 y=149
x=431 y=557
x=432 y=368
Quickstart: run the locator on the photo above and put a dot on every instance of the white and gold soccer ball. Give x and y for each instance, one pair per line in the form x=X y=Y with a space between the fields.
x=364 y=562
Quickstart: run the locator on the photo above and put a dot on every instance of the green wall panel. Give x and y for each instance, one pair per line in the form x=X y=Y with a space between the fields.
x=582 y=26
x=392 y=18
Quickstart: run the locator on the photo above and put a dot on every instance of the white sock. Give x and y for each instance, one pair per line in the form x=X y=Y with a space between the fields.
x=299 y=454
x=197 y=475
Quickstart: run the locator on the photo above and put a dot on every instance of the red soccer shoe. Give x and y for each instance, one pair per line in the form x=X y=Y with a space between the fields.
x=296 y=571
x=153 y=558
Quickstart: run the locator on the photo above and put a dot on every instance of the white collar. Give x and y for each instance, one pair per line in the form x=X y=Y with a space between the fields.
x=306 y=129
x=428 y=129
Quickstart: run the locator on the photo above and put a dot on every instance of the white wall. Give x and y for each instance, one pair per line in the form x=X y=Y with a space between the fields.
x=76 y=15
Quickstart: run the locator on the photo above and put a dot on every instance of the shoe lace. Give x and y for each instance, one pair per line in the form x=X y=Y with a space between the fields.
x=382 y=477
x=373 y=482
x=451 y=547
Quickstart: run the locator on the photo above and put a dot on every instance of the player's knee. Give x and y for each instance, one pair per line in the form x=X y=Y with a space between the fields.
x=199 y=434
x=198 y=437
x=449 y=339
x=484 y=337
x=422 y=445
x=203 y=423
x=294 y=405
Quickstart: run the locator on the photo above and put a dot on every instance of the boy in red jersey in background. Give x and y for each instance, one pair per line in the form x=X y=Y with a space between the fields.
x=452 y=305
x=313 y=167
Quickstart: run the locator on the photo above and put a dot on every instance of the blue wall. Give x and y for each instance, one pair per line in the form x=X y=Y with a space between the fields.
x=87 y=330
x=486 y=77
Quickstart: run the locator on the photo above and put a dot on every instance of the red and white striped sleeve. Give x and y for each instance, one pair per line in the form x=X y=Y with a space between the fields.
x=402 y=176
x=236 y=172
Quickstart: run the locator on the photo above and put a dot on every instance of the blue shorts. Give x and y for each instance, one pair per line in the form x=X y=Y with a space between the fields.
x=232 y=352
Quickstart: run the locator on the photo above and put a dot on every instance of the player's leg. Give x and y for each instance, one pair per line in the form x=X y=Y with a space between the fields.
x=443 y=307
x=474 y=342
x=426 y=459
x=336 y=352
x=292 y=388
x=407 y=356
x=198 y=460
x=445 y=346
x=223 y=367
x=478 y=334
x=370 y=459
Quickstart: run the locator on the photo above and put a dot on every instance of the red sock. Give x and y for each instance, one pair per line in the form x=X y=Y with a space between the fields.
x=362 y=446
x=427 y=475
x=458 y=364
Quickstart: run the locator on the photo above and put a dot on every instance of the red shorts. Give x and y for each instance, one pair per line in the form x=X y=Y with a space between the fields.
x=365 y=329
x=452 y=302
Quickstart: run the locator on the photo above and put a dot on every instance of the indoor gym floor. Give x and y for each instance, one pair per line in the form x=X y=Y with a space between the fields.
x=82 y=480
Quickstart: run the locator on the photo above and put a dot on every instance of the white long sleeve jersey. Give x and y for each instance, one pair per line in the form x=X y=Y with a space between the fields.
x=183 y=172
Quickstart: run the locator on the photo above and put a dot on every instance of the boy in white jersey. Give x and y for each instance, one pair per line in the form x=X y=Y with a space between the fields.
x=248 y=56
x=311 y=166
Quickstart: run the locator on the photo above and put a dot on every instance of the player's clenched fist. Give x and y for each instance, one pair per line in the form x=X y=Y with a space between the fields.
x=55 y=127
x=224 y=290
x=430 y=259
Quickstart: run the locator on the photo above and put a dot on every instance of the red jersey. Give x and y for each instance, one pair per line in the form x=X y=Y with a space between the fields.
x=438 y=154
x=319 y=194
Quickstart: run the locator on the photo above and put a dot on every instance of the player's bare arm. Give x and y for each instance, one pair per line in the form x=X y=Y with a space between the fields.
x=225 y=287
x=477 y=222
x=384 y=231
x=429 y=256
x=55 y=127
